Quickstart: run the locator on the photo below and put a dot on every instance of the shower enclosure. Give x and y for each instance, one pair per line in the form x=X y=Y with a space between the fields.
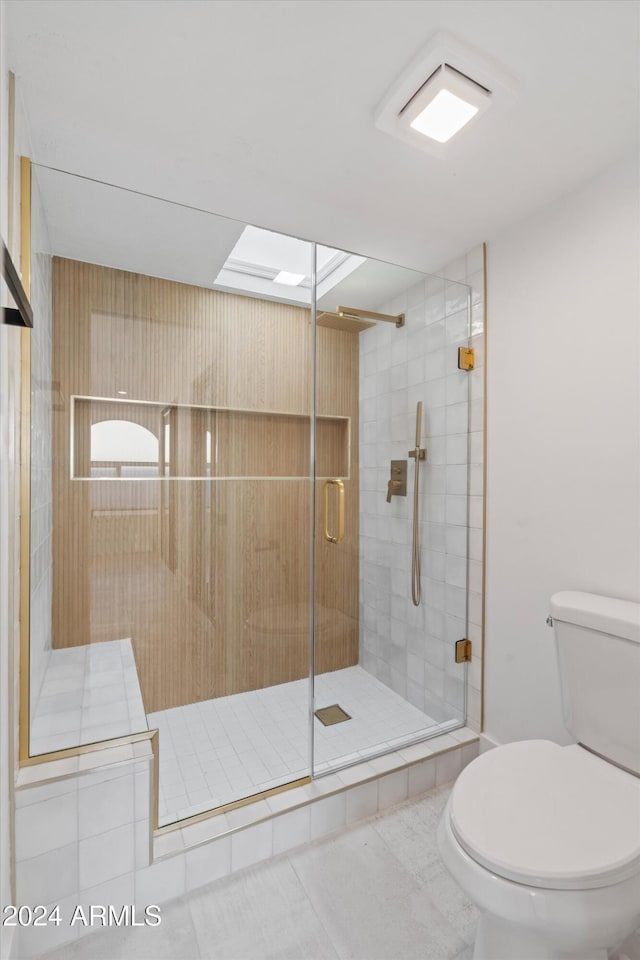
x=227 y=541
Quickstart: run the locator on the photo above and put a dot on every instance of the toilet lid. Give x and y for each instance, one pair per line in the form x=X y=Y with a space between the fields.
x=548 y=816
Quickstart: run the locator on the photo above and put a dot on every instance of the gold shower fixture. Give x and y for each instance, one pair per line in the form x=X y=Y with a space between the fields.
x=466 y=358
x=355 y=313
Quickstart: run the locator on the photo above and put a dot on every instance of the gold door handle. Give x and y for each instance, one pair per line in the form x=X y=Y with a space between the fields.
x=340 y=535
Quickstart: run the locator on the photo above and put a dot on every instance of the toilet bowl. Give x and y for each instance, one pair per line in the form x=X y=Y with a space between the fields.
x=546 y=841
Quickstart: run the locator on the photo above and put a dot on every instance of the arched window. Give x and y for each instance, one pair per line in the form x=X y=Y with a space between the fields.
x=122 y=448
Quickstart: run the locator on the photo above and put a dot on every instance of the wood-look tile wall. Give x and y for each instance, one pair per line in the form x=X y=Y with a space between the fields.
x=210 y=578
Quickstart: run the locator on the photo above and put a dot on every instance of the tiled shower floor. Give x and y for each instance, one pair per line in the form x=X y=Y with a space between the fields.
x=218 y=751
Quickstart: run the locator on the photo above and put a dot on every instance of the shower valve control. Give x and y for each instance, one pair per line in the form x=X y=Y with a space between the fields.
x=397 y=485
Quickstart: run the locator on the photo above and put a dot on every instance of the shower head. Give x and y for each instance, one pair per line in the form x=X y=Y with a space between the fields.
x=339 y=321
x=356 y=313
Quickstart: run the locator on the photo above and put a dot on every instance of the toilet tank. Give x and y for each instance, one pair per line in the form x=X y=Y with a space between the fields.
x=598 y=648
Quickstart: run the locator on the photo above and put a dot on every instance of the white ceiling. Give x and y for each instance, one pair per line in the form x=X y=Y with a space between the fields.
x=262 y=110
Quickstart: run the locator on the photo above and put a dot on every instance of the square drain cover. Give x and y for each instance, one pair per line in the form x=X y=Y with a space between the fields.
x=332 y=714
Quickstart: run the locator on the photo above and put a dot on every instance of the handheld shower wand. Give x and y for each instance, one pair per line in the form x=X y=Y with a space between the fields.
x=418 y=454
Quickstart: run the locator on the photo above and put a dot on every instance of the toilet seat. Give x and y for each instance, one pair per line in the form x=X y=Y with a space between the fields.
x=548 y=816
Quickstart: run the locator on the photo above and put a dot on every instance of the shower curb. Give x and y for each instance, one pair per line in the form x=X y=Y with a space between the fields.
x=98 y=813
x=228 y=842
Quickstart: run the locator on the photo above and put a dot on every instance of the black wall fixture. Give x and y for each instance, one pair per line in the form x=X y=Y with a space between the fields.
x=21 y=315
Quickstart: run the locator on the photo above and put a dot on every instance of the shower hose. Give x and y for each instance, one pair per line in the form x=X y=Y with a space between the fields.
x=416 y=590
x=419 y=454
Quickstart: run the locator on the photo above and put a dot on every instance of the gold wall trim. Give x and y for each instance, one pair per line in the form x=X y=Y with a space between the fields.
x=85 y=748
x=25 y=466
x=234 y=805
x=151 y=735
x=155 y=791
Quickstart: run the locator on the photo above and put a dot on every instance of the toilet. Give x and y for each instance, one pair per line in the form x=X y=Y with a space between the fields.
x=545 y=839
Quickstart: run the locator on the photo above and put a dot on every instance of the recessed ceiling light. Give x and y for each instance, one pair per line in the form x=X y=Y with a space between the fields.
x=445 y=115
x=122 y=393
x=290 y=279
x=441 y=92
x=445 y=104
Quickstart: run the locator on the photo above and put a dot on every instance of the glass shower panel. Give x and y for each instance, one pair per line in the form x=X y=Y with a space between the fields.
x=177 y=490
x=396 y=598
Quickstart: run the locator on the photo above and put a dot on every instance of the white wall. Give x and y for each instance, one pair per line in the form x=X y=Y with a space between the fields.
x=563 y=485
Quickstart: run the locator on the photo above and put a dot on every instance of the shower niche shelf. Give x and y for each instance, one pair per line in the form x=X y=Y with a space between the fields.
x=123 y=440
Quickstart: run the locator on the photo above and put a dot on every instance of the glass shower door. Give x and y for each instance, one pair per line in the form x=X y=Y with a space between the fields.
x=199 y=508
x=391 y=580
x=172 y=494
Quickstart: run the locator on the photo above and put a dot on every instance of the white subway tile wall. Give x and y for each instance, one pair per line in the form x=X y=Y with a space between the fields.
x=411 y=649
x=81 y=838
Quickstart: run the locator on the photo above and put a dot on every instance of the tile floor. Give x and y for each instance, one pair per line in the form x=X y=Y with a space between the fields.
x=218 y=751
x=88 y=693
x=376 y=891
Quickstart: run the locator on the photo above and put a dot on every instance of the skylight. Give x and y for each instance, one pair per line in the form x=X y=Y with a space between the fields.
x=290 y=279
x=278 y=267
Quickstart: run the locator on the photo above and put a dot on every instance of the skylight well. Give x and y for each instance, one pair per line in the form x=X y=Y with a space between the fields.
x=278 y=267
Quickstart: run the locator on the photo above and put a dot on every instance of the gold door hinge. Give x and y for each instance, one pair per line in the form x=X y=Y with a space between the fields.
x=463 y=651
x=466 y=358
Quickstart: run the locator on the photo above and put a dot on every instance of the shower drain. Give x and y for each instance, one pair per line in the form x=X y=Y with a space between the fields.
x=332 y=714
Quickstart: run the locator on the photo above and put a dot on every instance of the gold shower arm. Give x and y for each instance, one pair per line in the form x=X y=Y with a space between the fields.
x=398 y=319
